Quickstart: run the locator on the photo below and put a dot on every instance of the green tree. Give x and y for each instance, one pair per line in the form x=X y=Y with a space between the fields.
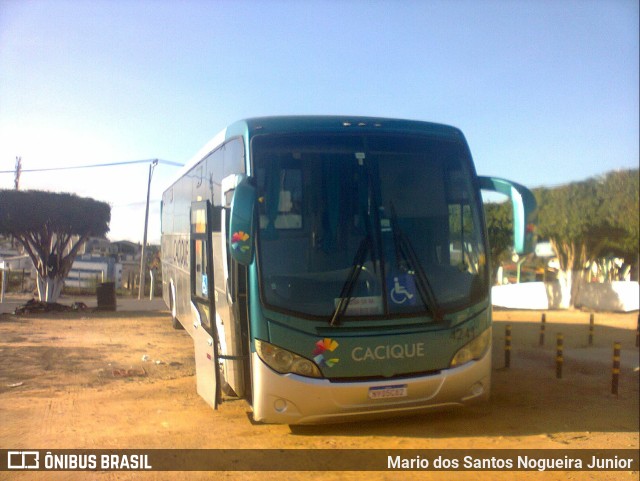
x=620 y=197
x=51 y=227
x=499 y=220
x=584 y=219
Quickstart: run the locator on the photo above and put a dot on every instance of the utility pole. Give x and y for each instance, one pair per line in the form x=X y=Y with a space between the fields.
x=16 y=185
x=16 y=181
x=144 y=237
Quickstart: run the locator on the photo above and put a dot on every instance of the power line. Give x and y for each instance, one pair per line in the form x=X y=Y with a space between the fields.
x=110 y=164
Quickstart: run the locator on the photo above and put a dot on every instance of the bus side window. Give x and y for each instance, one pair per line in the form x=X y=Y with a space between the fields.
x=462 y=227
x=198 y=177
x=233 y=158
x=214 y=163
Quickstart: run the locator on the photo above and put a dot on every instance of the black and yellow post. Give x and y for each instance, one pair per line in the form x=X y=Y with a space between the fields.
x=507 y=346
x=543 y=323
x=638 y=332
x=615 y=372
x=559 y=355
x=591 y=326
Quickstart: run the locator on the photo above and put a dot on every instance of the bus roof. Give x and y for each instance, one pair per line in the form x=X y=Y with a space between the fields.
x=247 y=128
x=337 y=124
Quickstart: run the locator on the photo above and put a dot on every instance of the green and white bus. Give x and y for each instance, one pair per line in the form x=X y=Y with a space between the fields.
x=335 y=268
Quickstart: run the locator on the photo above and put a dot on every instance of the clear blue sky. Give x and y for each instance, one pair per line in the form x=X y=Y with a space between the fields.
x=545 y=91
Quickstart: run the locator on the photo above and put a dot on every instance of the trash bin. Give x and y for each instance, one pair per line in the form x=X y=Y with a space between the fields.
x=106 y=293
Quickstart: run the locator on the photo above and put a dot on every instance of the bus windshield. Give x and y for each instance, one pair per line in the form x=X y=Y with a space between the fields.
x=389 y=223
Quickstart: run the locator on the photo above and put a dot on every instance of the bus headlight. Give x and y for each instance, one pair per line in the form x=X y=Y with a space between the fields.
x=285 y=362
x=473 y=350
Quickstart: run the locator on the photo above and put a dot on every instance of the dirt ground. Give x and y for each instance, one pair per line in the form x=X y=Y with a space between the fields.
x=126 y=380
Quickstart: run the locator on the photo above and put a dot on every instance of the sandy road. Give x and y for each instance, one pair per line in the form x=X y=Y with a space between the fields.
x=79 y=381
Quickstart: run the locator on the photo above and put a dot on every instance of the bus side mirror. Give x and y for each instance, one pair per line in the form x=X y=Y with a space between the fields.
x=241 y=222
x=524 y=211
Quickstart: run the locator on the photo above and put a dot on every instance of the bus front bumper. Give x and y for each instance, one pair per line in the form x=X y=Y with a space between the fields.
x=293 y=399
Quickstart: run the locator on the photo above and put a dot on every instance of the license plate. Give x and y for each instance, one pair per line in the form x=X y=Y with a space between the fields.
x=388 y=392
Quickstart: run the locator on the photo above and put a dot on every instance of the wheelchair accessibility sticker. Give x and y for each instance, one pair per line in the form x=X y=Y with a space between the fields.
x=403 y=290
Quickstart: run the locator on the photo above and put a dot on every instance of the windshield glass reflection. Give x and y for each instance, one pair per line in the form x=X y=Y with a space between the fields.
x=391 y=222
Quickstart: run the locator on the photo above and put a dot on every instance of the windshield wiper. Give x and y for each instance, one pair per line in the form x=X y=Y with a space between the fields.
x=366 y=245
x=405 y=249
x=352 y=279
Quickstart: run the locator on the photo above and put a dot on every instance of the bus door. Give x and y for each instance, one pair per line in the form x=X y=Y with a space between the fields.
x=205 y=337
x=231 y=303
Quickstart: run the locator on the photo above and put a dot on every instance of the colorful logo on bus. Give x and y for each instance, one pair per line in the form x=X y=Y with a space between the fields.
x=323 y=349
x=239 y=241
